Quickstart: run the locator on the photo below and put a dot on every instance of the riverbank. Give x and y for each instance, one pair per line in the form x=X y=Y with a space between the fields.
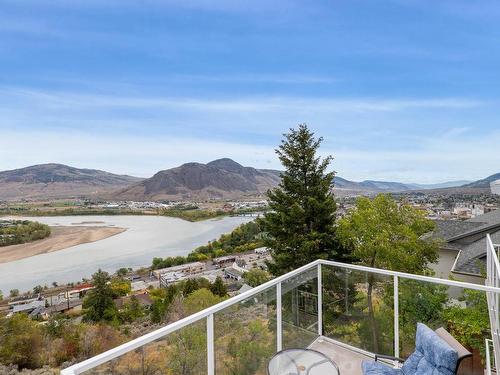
x=61 y=237
x=191 y=215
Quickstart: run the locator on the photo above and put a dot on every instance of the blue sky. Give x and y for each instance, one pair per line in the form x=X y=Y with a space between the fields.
x=400 y=90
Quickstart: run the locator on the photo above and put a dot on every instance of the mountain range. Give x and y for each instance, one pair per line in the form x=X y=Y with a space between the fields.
x=46 y=181
x=218 y=179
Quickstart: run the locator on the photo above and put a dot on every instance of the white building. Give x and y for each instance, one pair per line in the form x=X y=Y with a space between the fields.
x=188 y=268
x=495 y=187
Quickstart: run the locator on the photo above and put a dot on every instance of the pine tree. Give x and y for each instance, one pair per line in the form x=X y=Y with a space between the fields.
x=218 y=288
x=300 y=224
x=98 y=304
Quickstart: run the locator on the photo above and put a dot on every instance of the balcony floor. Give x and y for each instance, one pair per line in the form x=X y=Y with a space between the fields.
x=348 y=360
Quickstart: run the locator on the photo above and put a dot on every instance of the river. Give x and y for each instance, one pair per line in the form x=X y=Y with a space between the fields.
x=146 y=237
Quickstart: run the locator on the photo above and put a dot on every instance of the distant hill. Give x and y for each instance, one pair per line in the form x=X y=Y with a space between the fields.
x=222 y=178
x=218 y=179
x=227 y=179
x=371 y=186
x=477 y=187
x=484 y=183
x=448 y=184
x=59 y=181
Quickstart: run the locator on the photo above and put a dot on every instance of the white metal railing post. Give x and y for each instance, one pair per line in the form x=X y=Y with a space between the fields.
x=488 y=359
x=210 y=345
x=396 y=316
x=279 y=323
x=320 y=301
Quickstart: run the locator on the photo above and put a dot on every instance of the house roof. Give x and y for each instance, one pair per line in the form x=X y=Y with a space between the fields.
x=28 y=306
x=448 y=229
x=472 y=258
x=461 y=236
x=491 y=218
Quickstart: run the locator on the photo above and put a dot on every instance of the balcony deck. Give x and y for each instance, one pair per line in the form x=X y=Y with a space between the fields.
x=348 y=360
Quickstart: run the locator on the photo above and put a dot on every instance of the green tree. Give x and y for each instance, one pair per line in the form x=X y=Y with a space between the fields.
x=14 y=292
x=184 y=353
x=120 y=287
x=384 y=234
x=300 y=225
x=1 y=295
x=189 y=286
x=124 y=271
x=21 y=341
x=249 y=345
x=218 y=288
x=199 y=300
x=470 y=324
x=256 y=276
x=98 y=303
x=131 y=310
x=38 y=289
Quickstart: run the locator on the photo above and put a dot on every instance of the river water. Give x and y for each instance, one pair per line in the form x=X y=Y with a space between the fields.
x=146 y=237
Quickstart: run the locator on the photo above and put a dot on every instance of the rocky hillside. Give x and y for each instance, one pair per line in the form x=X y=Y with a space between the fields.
x=59 y=181
x=222 y=178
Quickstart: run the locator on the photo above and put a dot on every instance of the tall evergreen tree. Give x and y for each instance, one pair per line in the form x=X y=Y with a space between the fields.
x=218 y=288
x=98 y=304
x=300 y=224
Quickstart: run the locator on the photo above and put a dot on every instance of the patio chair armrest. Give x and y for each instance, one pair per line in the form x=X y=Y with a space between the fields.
x=389 y=357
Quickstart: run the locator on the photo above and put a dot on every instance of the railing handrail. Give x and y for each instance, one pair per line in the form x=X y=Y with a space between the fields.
x=430 y=279
x=175 y=326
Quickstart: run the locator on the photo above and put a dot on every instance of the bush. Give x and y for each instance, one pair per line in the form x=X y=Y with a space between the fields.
x=22 y=231
x=20 y=342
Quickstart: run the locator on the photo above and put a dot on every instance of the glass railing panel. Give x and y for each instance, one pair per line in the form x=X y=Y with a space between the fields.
x=183 y=352
x=245 y=335
x=358 y=309
x=462 y=312
x=300 y=309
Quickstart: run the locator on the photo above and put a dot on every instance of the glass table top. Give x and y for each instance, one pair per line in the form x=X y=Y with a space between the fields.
x=301 y=362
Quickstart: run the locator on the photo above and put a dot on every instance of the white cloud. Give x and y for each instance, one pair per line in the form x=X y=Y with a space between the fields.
x=412 y=140
x=248 y=104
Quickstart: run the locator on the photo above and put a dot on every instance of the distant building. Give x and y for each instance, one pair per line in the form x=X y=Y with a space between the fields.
x=143 y=285
x=234 y=272
x=28 y=307
x=223 y=261
x=188 y=268
x=261 y=250
x=495 y=187
x=65 y=307
x=169 y=278
x=23 y=300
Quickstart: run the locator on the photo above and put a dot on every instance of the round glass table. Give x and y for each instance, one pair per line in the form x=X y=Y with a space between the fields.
x=301 y=362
